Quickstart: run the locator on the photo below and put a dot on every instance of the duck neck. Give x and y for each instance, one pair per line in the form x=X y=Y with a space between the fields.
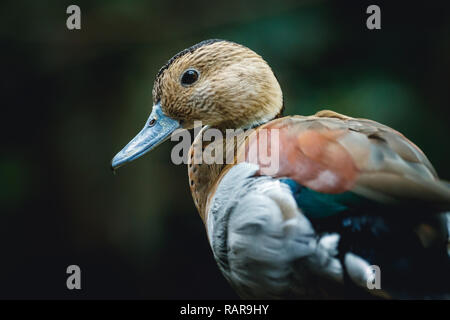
x=203 y=176
x=266 y=120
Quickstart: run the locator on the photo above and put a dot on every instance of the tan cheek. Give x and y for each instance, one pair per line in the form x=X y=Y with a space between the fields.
x=172 y=100
x=202 y=96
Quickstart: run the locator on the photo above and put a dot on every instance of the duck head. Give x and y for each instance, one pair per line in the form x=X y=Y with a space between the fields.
x=220 y=83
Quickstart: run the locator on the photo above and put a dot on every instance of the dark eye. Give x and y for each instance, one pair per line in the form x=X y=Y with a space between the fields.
x=189 y=77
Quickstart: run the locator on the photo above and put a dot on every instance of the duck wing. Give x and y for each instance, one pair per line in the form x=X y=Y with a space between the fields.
x=370 y=185
x=331 y=153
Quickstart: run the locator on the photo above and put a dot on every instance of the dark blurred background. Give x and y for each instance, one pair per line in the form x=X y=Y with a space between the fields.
x=72 y=99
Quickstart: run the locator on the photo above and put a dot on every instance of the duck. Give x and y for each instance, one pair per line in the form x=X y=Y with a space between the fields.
x=352 y=208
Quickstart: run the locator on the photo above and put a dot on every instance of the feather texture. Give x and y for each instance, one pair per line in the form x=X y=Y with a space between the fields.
x=334 y=207
x=337 y=154
x=263 y=244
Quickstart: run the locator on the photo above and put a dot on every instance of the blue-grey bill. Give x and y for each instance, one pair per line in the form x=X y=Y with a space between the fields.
x=157 y=129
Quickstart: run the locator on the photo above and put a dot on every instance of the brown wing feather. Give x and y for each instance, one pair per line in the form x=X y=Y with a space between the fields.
x=340 y=153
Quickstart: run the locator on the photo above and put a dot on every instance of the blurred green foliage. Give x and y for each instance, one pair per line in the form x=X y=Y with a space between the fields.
x=75 y=98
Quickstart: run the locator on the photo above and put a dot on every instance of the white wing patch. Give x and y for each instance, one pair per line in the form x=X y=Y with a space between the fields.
x=267 y=248
x=325 y=178
x=262 y=242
